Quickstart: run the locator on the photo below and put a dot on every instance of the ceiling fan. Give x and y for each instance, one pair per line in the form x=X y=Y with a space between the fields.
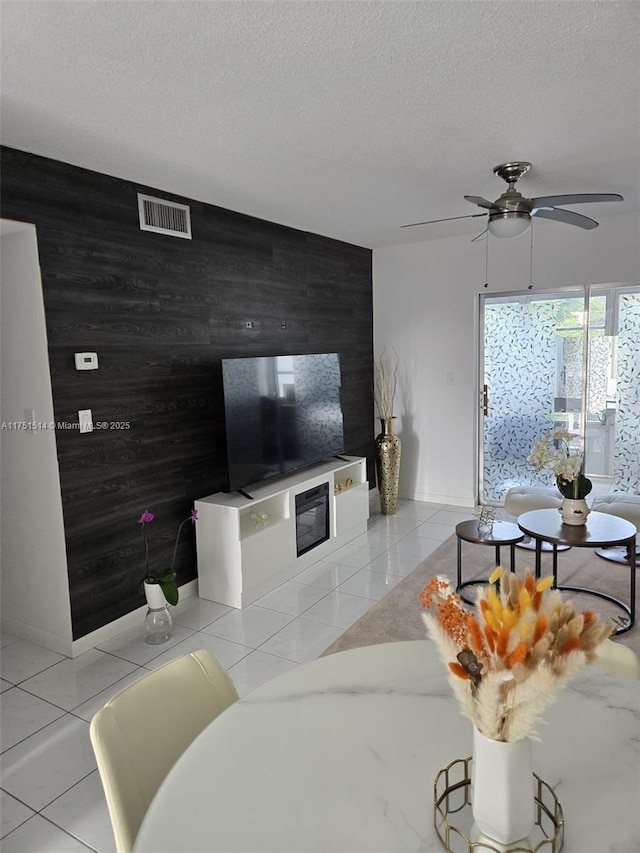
x=510 y=215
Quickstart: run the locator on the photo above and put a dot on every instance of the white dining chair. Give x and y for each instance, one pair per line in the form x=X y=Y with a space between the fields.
x=625 y=506
x=141 y=732
x=618 y=658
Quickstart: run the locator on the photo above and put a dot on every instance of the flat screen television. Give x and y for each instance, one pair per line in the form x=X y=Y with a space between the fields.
x=282 y=413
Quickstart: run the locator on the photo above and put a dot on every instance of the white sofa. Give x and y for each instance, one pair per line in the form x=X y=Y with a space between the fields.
x=521 y=499
x=624 y=506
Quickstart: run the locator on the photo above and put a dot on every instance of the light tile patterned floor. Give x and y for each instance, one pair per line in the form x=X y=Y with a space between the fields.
x=52 y=799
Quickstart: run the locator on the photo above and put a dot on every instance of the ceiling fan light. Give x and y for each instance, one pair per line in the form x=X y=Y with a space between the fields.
x=509 y=224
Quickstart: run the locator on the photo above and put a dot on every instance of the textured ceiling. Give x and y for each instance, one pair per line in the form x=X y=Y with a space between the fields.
x=343 y=118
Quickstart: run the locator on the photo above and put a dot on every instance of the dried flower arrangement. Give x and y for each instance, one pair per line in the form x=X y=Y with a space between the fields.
x=509 y=657
x=385 y=385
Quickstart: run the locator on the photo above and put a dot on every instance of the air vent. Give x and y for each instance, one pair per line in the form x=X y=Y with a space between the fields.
x=164 y=217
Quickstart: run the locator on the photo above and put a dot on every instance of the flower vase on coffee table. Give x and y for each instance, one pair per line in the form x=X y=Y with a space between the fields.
x=574 y=512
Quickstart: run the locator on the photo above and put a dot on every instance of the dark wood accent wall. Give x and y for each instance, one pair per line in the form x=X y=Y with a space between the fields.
x=161 y=312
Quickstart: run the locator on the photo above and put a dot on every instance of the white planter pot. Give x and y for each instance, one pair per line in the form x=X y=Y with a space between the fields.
x=502 y=788
x=154 y=595
x=574 y=512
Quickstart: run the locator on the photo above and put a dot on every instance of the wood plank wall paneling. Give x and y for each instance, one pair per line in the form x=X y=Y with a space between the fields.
x=161 y=312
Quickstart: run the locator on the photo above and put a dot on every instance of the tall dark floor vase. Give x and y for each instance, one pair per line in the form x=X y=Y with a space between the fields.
x=388 y=450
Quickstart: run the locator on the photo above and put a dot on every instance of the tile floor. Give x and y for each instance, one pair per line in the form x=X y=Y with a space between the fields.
x=51 y=796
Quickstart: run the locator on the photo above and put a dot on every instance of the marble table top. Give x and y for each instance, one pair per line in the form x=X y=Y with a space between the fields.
x=340 y=755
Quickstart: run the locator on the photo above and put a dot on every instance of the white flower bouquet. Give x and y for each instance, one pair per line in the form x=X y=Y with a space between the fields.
x=553 y=451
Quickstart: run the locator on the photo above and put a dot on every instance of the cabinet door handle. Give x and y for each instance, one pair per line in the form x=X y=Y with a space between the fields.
x=485 y=400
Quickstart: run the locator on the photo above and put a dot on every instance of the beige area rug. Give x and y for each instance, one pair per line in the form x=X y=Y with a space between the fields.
x=398 y=616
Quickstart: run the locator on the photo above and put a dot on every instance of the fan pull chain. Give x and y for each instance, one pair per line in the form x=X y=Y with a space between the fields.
x=531 y=259
x=486 y=262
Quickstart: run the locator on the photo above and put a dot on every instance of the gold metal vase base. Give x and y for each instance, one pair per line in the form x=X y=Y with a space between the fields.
x=388 y=448
x=455 y=827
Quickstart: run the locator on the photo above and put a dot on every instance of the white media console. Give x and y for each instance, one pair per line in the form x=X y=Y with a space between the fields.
x=248 y=547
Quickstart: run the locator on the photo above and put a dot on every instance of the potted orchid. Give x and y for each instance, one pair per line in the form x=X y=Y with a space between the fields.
x=553 y=452
x=165 y=578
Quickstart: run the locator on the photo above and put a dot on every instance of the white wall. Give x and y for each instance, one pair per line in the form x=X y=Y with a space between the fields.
x=34 y=582
x=425 y=298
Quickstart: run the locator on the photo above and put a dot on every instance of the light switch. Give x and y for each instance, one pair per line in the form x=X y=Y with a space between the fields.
x=84 y=419
x=30 y=420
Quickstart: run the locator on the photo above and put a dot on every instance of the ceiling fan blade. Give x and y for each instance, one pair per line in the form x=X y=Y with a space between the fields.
x=574 y=198
x=481 y=202
x=448 y=219
x=481 y=235
x=568 y=216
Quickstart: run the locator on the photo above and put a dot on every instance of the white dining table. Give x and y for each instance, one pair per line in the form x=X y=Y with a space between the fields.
x=340 y=755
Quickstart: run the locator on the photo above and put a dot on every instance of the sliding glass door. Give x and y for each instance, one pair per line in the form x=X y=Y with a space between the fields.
x=567 y=359
x=625 y=329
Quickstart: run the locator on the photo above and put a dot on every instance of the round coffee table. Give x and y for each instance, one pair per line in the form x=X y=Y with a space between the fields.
x=502 y=533
x=601 y=530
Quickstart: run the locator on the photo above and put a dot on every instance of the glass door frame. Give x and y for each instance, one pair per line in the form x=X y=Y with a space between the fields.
x=586 y=292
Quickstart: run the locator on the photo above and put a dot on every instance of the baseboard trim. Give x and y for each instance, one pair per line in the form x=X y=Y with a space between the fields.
x=450 y=500
x=129 y=620
x=26 y=631
x=72 y=648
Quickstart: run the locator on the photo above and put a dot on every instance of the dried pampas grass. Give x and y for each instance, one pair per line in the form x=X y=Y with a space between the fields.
x=508 y=659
